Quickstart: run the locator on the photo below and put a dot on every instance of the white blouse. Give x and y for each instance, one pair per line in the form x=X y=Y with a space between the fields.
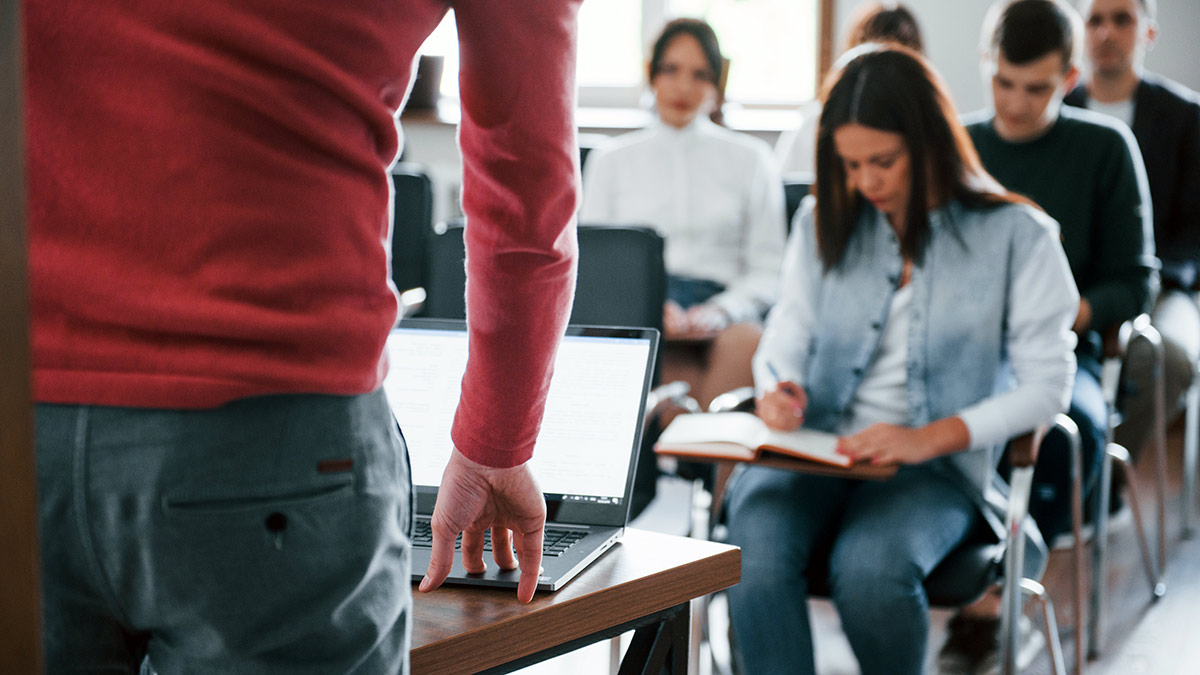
x=713 y=194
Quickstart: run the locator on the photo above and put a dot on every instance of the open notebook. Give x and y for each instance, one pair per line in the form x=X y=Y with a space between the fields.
x=585 y=454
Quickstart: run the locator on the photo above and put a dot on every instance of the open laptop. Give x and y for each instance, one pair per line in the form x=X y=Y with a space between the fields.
x=585 y=454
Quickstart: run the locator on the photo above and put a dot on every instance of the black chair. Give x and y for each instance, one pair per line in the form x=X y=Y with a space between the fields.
x=621 y=279
x=446 y=274
x=412 y=225
x=621 y=282
x=795 y=188
x=977 y=564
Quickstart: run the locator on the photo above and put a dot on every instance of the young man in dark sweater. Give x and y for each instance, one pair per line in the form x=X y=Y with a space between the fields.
x=1085 y=171
x=1165 y=119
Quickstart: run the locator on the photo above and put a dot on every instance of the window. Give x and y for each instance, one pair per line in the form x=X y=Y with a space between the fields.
x=773 y=46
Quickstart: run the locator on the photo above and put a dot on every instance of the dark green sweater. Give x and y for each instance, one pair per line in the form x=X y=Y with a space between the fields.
x=1086 y=173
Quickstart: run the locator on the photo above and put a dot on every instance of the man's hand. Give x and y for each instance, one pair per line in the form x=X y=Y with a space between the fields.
x=707 y=319
x=675 y=321
x=1083 y=318
x=473 y=498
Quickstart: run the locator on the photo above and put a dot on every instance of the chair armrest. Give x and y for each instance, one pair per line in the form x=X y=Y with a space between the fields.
x=665 y=396
x=1116 y=343
x=740 y=399
x=1023 y=450
x=412 y=301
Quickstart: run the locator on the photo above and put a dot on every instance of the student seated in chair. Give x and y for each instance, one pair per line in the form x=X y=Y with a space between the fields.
x=717 y=200
x=1085 y=170
x=925 y=317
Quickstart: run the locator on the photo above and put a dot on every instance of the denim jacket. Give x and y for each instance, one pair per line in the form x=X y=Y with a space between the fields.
x=989 y=334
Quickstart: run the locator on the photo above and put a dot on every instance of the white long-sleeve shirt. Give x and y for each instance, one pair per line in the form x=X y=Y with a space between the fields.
x=713 y=194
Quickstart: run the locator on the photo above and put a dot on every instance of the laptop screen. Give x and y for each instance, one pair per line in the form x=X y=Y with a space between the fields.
x=586 y=450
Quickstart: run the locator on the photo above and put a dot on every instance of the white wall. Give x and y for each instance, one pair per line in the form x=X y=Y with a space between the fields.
x=951 y=32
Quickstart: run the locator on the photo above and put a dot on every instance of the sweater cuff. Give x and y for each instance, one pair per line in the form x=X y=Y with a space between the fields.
x=481 y=453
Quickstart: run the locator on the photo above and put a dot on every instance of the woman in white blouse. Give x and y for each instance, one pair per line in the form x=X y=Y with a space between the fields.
x=717 y=200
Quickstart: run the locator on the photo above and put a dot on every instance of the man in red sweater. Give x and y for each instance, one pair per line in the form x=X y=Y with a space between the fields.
x=222 y=486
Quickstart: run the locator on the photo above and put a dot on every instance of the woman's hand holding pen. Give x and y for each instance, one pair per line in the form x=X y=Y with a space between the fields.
x=783 y=407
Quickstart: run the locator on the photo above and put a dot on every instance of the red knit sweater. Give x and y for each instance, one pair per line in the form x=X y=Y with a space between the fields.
x=209 y=200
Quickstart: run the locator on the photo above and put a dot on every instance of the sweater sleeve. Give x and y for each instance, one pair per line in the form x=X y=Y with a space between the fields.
x=1182 y=221
x=1124 y=264
x=790 y=324
x=520 y=193
x=1042 y=300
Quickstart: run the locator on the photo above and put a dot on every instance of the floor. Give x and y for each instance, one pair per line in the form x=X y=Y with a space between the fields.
x=1140 y=636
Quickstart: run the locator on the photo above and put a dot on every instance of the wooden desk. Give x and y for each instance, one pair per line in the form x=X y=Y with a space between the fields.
x=647 y=579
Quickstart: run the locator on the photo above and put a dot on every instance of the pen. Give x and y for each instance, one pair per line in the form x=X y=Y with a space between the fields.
x=791 y=389
x=774 y=372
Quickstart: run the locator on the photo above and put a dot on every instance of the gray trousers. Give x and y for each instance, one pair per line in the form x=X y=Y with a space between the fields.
x=267 y=536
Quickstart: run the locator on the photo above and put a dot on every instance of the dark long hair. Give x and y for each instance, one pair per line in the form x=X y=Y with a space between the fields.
x=703 y=34
x=892 y=88
x=885 y=22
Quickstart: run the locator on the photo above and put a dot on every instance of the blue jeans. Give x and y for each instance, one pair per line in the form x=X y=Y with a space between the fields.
x=267 y=536
x=882 y=539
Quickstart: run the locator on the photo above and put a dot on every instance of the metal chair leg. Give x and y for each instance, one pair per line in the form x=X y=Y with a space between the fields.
x=1099 y=555
x=1191 y=456
x=1160 y=454
x=1077 y=549
x=1020 y=486
x=1049 y=625
x=1120 y=455
x=1140 y=329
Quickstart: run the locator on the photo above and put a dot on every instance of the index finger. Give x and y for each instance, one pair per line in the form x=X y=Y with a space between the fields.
x=441 y=559
x=529 y=557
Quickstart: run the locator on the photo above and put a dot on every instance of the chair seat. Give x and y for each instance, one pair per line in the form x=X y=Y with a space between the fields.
x=965 y=574
x=960 y=579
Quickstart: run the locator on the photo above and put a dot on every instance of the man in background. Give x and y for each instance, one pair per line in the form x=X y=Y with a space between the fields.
x=222 y=486
x=1165 y=119
x=1084 y=170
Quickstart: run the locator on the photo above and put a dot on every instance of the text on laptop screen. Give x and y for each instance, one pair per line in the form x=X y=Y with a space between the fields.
x=590 y=423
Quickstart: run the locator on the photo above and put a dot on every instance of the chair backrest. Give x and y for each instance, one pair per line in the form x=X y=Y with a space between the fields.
x=795 y=189
x=446 y=282
x=412 y=225
x=622 y=281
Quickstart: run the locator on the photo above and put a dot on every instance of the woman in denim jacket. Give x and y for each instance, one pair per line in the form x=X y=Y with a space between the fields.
x=925 y=318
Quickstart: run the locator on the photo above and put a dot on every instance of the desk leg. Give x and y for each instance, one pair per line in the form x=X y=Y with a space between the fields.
x=660 y=646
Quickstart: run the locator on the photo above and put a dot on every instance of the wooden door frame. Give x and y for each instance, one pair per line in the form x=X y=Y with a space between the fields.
x=20 y=586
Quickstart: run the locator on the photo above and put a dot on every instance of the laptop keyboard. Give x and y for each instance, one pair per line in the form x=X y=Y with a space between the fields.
x=557 y=540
